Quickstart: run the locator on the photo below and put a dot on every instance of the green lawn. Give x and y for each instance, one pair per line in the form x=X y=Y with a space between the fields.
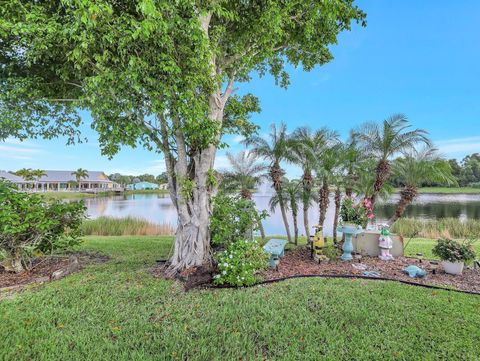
x=117 y=311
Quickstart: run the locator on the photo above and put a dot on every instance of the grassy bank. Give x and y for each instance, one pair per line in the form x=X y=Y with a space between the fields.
x=445 y=227
x=81 y=195
x=454 y=190
x=107 y=226
x=118 y=311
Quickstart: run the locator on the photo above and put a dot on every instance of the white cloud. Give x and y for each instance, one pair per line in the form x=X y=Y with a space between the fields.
x=15 y=149
x=459 y=147
x=238 y=139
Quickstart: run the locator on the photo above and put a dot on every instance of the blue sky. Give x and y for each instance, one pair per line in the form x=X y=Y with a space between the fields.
x=420 y=58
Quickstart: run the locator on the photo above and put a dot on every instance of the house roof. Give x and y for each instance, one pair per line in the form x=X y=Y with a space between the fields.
x=63 y=176
x=10 y=177
x=67 y=176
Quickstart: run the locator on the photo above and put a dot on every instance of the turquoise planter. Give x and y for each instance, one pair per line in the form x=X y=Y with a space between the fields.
x=349 y=231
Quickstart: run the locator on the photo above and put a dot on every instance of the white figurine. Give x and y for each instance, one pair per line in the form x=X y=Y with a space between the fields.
x=385 y=243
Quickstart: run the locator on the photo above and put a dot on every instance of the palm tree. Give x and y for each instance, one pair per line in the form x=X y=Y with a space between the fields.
x=306 y=147
x=27 y=174
x=80 y=174
x=246 y=173
x=384 y=141
x=274 y=152
x=37 y=174
x=291 y=195
x=324 y=169
x=245 y=177
x=415 y=168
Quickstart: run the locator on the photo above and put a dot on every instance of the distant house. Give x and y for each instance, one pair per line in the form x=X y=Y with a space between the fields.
x=63 y=180
x=142 y=186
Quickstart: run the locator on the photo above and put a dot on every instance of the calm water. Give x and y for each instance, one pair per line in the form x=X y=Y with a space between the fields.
x=159 y=209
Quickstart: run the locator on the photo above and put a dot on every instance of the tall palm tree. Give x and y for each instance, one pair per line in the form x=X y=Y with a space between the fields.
x=274 y=152
x=246 y=173
x=306 y=147
x=80 y=174
x=324 y=170
x=292 y=196
x=415 y=168
x=383 y=141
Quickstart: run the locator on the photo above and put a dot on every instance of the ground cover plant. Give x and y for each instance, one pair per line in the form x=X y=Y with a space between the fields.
x=117 y=311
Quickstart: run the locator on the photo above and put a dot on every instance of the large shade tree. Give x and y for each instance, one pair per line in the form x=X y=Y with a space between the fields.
x=159 y=74
x=385 y=140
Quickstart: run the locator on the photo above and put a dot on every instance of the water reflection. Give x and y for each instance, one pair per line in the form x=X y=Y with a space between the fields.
x=159 y=209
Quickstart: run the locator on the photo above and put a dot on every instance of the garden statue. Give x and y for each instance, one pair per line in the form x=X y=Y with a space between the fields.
x=318 y=244
x=414 y=271
x=385 y=243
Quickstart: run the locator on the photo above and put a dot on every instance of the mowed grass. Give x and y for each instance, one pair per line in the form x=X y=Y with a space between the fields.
x=118 y=311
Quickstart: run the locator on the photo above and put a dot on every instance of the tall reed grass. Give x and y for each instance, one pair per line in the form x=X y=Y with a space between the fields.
x=129 y=226
x=441 y=228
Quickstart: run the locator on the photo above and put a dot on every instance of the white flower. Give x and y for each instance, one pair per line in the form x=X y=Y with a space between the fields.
x=225 y=264
x=231 y=256
x=224 y=273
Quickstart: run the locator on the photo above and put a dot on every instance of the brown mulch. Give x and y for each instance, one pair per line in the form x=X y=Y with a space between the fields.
x=298 y=262
x=44 y=267
x=191 y=278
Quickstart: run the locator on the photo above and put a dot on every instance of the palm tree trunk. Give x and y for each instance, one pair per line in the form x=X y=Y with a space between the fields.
x=281 y=204
x=305 y=220
x=323 y=202
x=260 y=227
x=338 y=198
x=407 y=195
x=295 y=226
x=382 y=174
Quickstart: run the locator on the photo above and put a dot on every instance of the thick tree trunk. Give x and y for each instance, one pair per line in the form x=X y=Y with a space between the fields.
x=407 y=195
x=338 y=198
x=382 y=174
x=324 y=201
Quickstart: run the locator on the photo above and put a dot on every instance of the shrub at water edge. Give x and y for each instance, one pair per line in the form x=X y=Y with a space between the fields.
x=29 y=224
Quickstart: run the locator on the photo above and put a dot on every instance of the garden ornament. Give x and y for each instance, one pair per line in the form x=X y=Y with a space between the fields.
x=348 y=230
x=414 y=271
x=385 y=243
x=318 y=243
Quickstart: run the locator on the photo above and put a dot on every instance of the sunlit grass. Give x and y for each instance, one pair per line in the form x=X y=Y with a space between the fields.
x=118 y=311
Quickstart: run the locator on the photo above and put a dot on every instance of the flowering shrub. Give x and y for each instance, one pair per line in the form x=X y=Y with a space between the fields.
x=454 y=251
x=240 y=262
x=358 y=214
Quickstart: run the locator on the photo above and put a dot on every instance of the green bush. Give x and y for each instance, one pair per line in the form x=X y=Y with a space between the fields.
x=30 y=224
x=239 y=263
x=233 y=218
x=454 y=251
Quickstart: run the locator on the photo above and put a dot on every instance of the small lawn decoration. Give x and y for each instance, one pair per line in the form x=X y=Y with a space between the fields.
x=318 y=244
x=415 y=272
x=385 y=243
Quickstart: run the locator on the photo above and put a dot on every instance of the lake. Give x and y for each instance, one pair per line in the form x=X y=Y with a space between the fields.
x=159 y=209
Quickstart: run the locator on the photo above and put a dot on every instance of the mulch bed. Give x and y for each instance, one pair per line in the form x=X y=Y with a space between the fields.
x=47 y=268
x=298 y=262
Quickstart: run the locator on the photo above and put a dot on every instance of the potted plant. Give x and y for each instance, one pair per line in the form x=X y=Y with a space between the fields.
x=353 y=216
x=454 y=254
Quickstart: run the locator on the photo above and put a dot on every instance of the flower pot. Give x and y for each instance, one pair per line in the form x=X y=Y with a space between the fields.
x=453 y=268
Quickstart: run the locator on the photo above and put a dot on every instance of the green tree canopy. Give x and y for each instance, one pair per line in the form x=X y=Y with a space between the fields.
x=158 y=74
